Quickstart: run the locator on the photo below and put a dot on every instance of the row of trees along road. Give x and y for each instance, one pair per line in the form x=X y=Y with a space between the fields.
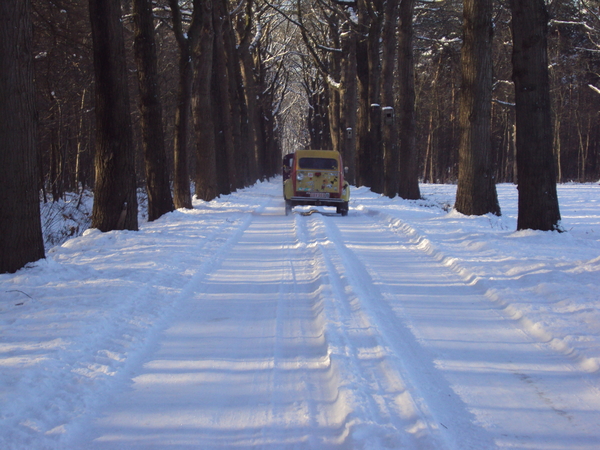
x=118 y=94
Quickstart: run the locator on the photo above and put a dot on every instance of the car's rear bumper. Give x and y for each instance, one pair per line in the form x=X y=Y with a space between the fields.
x=315 y=201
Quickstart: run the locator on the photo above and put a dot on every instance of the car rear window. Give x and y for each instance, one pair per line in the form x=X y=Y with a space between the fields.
x=318 y=163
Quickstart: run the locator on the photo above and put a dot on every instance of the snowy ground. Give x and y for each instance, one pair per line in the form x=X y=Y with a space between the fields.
x=231 y=326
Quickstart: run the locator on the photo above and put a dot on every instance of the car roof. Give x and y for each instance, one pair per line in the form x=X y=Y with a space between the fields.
x=318 y=154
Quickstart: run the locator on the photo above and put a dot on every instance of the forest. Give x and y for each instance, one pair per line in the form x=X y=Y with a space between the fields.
x=203 y=97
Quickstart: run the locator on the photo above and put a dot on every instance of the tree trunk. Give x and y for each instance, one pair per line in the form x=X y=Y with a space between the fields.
x=376 y=140
x=349 y=103
x=318 y=114
x=408 y=178
x=181 y=180
x=153 y=142
x=390 y=130
x=252 y=91
x=222 y=111
x=334 y=108
x=115 y=200
x=375 y=174
x=206 y=165
x=538 y=201
x=80 y=173
x=476 y=192
x=363 y=168
x=334 y=94
x=21 y=239
x=272 y=149
x=238 y=107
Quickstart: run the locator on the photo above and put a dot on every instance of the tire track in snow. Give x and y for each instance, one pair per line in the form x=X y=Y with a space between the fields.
x=535 y=329
x=588 y=367
x=386 y=414
x=461 y=354
x=292 y=339
x=312 y=412
x=245 y=362
x=117 y=342
x=414 y=398
x=326 y=400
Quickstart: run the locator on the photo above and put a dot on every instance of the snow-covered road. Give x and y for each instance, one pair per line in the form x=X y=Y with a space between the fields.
x=232 y=326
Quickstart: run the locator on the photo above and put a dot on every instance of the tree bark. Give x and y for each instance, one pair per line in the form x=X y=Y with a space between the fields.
x=222 y=105
x=181 y=180
x=364 y=154
x=239 y=117
x=376 y=141
x=538 y=200
x=272 y=148
x=375 y=172
x=318 y=114
x=390 y=130
x=153 y=142
x=408 y=178
x=21 y=239
x=115 y=200
x=476 y=192
x=335 y=72
x=252 y=90
x=349 y=102
x=206 y=163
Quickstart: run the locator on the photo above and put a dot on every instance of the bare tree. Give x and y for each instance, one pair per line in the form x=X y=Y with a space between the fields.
x=20 y=229
x=538 y=200
x=390 y=129
x=115 y=200
x=206 y=165
x=248 y=43
x=63 y=76
x=221 y=92
x=476 y=192
x=186 y=42
x=349 y=99
x=408 y=178
x=370 y=149
x=153 y=140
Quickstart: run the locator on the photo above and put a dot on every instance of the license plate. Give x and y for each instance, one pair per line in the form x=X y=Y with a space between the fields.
x=319 y=194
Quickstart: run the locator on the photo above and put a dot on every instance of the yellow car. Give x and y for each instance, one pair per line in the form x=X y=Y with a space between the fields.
x=315 y=177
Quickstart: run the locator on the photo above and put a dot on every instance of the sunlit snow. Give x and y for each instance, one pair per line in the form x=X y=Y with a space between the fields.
x=404 y=325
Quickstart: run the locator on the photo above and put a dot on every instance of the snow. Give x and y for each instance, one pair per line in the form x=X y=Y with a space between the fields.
x=404 y=325
x=594 y=88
